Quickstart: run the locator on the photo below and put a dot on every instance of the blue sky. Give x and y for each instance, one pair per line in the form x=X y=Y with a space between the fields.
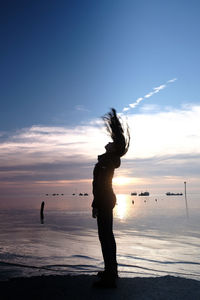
x=59 y=56
x=65 y=63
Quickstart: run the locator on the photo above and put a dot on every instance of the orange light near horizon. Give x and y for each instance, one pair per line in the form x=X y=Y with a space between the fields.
x=61 y=182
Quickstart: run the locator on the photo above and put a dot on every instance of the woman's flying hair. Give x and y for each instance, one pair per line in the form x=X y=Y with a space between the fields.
x=118 y=132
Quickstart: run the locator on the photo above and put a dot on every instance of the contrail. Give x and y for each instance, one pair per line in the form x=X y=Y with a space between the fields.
x=150 y=94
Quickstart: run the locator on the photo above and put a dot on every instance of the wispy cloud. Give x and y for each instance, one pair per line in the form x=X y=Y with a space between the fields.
x=81 y=108
x=150 y=108
x=148 y=95
x=172 y=80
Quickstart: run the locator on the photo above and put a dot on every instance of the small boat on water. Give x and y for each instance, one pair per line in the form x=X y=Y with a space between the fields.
x=134 y=194
x=174 y=194
x=82 y=194
x=144 y=194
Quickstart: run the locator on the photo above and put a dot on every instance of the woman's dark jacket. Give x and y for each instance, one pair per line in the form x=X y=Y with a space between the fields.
x=104 y=197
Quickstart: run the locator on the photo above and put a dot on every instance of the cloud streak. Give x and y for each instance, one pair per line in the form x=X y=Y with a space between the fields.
x=148 y=95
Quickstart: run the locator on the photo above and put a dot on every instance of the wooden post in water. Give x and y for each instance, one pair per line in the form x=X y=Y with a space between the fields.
x=185 y=188
x=186 y=204
x=42 y=213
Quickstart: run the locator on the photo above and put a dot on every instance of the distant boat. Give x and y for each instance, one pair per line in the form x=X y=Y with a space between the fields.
x=134 y=194
x=86 y=194
x=144 y=194
x=174 y=194
x=80 y=194
x=73 y=194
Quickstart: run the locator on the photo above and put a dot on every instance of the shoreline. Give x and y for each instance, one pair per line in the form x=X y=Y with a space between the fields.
x=80 y=287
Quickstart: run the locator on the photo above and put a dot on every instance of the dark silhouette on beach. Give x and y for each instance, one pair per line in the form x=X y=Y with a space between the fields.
x=104 y=198
x=42 y=213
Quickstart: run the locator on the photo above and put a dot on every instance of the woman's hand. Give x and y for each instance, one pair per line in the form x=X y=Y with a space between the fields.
x=94 y=212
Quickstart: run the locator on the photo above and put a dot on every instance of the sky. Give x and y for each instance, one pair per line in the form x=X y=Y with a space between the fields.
x=64 y=64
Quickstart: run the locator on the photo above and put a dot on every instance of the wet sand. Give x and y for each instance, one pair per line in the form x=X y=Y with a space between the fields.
x=80 y=287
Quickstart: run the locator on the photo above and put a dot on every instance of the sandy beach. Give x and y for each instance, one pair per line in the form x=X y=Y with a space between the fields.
x=80 y=287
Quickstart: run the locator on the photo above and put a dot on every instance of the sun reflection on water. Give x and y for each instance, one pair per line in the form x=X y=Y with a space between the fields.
x=122 y=206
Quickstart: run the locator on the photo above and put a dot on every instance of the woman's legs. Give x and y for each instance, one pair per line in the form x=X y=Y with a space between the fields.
x=107 y=239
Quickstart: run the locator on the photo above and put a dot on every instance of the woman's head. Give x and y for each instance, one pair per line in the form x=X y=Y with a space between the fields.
x=110 y=147
x=120 y=136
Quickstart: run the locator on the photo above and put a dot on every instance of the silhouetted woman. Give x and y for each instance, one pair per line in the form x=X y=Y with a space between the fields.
x=104 y=197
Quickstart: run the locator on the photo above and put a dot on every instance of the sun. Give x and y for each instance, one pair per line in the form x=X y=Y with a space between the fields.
x=122 y=180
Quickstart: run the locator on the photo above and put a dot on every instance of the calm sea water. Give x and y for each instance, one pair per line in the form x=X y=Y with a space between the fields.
x=156 y=235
